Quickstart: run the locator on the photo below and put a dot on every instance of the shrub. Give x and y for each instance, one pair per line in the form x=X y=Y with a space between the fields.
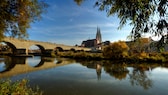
x=116 y=50
x=17 y=88
x=53 y=54
x=158 y=57
x=143 y=55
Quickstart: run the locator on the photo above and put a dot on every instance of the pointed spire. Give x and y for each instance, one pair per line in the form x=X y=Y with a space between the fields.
x=98 y=36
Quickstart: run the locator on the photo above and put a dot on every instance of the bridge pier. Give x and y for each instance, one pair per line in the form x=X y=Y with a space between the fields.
x=19 y=52
x=47 y=52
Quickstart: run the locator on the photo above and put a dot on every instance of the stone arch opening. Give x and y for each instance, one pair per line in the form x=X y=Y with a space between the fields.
x=59 y=49
x=7 y=48
x=36 y=50
x=72 y=49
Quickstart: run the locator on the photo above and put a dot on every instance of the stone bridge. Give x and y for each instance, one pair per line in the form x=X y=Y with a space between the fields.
x=21 y=46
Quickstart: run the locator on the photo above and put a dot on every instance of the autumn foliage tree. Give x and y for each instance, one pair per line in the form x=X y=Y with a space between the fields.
x=140 y=45
x=16 y=16
x=116 y=50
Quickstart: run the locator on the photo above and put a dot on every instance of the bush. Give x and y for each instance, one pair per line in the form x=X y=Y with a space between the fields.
x=143 y=55
x=116 y=50
x=160 y=57
x=17 y=88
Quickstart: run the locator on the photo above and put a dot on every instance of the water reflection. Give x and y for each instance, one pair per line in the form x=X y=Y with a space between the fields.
x=97 y=65
x=140 y=78
x=98 y=70
x=35 y=61
x=138 y=74
x=2 y=66
x=118 y=71
x=116 y=76
x=7 y=63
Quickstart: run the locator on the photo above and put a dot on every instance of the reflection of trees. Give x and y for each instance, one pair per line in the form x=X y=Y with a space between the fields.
x=139 y=78
x=88 y=64
x=119 y=71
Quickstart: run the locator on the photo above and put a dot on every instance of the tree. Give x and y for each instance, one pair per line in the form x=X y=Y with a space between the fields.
x=16 y=16
x=116 y=50
x=139 y=45
x=140 y=13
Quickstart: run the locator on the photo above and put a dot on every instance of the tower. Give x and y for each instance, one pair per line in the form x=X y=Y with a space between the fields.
x=98 y=36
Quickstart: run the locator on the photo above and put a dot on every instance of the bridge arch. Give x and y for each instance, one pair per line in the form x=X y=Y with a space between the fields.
x=42 y=49
x=12 y=46
x=72 y=49
x=59 y=49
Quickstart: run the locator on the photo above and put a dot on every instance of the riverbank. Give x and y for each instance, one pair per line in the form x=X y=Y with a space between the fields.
x=136 y=58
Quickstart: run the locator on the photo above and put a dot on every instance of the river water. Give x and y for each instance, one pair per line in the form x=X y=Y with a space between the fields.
x=60 y=76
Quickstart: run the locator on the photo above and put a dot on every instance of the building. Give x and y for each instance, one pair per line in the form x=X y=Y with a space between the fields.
x=93 y=43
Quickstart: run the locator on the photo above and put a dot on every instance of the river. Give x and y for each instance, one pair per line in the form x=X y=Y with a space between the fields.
x=61 y=76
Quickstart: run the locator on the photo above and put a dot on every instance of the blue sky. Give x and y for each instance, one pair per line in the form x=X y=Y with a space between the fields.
x=67 y=23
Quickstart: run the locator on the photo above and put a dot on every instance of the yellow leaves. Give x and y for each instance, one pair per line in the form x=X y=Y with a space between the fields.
x=21 y=87
x=19 y=13
x=121 y=45
x=78 y=1
x=116 y=50
x=144 y=40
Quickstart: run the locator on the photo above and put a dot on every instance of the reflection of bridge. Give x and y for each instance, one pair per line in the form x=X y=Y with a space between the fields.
x=14 y=66
x=20 y=46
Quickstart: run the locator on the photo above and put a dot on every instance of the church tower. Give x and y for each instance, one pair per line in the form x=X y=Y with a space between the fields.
x=98 y=36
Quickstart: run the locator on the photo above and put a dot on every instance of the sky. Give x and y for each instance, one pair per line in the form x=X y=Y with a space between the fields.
x=67 y=23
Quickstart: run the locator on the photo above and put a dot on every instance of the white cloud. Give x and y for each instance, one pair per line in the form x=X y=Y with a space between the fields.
x=48 y=18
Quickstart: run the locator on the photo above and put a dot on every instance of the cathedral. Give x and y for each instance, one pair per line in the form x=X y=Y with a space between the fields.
x=93 y=43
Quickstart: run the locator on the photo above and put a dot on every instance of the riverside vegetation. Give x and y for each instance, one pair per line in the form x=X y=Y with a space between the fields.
x=118 y=51
x=21 y=87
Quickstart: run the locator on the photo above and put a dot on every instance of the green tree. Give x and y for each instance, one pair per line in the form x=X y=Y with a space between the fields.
x=140 y=13
x=16 y=16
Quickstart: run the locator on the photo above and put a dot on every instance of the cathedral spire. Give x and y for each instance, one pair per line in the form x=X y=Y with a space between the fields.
x=98 y=36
